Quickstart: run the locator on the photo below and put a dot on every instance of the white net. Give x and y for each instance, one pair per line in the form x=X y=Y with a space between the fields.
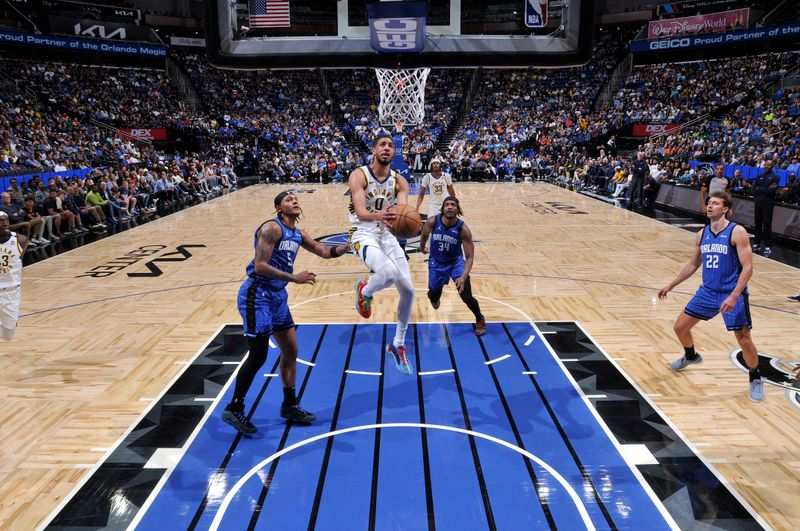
x=402 y=95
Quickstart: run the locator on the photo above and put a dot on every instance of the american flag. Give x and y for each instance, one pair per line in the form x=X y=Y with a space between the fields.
x=269 y=14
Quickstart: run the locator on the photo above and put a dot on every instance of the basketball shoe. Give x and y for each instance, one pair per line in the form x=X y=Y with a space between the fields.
x=757 y=390
x=480 y=327
x=400 y=358
x=294 y=413
x=363 y=303
x=683 y=362
x=238 y=420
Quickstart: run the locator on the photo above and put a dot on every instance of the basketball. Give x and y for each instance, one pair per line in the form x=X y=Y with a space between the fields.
x=407 y=223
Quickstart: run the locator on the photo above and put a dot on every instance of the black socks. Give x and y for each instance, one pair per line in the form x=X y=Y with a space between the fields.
x=237 y=404
x=754 y=374
x=690 y=353
x=289 y=398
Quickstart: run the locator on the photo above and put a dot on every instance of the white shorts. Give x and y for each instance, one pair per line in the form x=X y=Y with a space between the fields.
x=9 y=307
x=384 y=240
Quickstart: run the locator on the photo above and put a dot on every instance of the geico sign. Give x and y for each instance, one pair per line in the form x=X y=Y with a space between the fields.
x=666 y=44
x=396 y=33
x=97 y=30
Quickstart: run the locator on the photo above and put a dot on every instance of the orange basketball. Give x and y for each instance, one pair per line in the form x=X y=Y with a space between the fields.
x=407 y=224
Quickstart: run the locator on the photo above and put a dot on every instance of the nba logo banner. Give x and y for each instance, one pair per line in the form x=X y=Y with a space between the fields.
x=535 y=13
x=397 y=26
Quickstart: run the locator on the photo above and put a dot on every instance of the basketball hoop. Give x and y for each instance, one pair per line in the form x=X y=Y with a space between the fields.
x=402 y=95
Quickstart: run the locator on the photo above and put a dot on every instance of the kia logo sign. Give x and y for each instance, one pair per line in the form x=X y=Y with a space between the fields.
x=96 y=30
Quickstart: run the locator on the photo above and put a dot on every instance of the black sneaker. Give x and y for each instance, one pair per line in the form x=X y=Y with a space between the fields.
x=238 y=420
x=794 y=298
x=297 y=414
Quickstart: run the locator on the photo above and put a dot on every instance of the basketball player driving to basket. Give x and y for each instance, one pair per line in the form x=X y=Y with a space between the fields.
x=373 y=189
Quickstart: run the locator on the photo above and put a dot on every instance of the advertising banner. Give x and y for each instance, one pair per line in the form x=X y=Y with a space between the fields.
x=654 y=129
x=187 y=41
x=122 y=14
x=98 y=29
x=153 y=133
x=83 y=45
x=676 y=8
x=712 y=22
x=785 y=219
x=733 y=37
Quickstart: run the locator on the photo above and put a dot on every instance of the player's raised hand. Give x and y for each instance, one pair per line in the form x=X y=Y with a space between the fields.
x=305 y=277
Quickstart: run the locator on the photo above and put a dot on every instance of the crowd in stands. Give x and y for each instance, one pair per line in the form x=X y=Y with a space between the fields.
x=286 y=111
x=108 y=197
x=550 y=108
x=303 y=126
x=675 y=93
x=765 y=125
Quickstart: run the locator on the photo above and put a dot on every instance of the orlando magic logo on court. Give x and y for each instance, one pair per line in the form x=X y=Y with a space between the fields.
x=776 y=371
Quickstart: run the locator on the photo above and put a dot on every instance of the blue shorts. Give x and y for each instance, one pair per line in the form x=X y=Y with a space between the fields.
x=264 y=311
x=705 y=305
x=440 y=274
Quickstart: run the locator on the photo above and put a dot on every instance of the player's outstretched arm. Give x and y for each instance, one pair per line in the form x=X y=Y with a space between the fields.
x=269 y=235
x=688 y=270
x=469 y=255
x=450 y=189
x=422 y=190
x=741 y=241
x=323 y=251
x=23 y=244
x=426 y=233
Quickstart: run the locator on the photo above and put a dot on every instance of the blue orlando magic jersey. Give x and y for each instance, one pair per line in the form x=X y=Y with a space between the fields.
x=283 y=255
x=721 y=265
x=446 y=242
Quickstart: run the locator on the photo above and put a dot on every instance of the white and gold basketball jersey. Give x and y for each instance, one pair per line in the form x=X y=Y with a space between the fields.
x=379 y=196
x=10 y=263
x=437 y=189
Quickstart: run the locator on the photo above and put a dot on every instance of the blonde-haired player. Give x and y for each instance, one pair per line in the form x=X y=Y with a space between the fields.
x=12 y=248
x=373 y=189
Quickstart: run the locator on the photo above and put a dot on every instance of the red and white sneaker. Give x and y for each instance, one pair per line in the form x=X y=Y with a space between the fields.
x=480 y=327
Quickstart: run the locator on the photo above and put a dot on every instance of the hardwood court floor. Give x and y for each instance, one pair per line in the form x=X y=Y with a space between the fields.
x=92 y=350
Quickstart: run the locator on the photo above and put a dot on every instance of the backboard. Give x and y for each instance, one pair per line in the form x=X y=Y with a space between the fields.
x=297 y=34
